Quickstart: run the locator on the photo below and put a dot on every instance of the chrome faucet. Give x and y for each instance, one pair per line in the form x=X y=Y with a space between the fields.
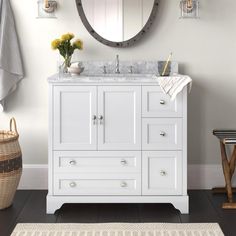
x=117 y=65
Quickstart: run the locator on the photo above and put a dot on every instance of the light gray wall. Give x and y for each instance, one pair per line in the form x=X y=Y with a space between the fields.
x=205 y=49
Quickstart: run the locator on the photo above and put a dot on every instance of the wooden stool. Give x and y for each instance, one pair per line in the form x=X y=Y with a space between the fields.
x=227 y=137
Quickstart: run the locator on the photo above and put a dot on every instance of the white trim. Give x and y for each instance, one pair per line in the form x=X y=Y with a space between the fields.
x=205 y=176
x=179 y=202
x=199 y=177
x=34 y=177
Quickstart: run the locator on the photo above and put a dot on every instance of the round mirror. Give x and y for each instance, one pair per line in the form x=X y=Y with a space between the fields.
x=117 y=23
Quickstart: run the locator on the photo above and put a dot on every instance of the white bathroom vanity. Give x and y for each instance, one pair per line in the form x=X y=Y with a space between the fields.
x=116 y=139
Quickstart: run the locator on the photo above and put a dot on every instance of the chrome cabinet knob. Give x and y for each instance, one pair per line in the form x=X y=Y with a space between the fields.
x=72 y=162
x=72 y=184
x=162 y=102
x=100 y=119
x=123 y=184
x=123 y=162
x=94 y=118
x=162 y=133
x=163 y=173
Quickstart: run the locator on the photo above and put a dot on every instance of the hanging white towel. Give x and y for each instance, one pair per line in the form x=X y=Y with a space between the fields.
x=11 y=66
x=172 y=85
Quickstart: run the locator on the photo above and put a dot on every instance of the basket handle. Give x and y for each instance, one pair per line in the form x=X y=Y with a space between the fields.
x=13 y=126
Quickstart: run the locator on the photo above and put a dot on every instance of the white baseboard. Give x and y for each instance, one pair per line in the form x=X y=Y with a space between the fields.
x=199 y=177
x=205 y=176
x=34 y=177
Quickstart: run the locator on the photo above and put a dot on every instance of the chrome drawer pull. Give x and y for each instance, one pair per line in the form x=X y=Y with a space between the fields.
x=163 y=173
x=72 y=184
x=73 y=162
x=162 y=133
x=162 y=102
x=123 y=162
x=123 y=184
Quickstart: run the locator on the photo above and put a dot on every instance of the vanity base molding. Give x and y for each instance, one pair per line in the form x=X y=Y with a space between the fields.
x=179 y=202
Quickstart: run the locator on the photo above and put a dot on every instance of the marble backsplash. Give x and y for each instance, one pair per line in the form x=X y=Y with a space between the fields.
x=137 y=67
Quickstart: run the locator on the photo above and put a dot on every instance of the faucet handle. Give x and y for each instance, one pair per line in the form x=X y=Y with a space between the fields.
x=131 y=69
x=104 y=69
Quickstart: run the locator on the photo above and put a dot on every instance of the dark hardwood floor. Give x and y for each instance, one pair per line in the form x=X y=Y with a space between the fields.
x=29 y=207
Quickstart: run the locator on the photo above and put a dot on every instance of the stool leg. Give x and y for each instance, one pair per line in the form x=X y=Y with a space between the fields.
x=226 y=170
x=232 y=162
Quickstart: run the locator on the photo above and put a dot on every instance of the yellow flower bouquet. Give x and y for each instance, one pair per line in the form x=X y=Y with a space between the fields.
x=66 y=48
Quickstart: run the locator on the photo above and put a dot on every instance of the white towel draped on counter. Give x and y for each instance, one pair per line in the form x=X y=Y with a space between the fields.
x=174 y=84
x=11 y=66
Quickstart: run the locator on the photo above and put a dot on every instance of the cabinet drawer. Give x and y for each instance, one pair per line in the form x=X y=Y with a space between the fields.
x=157 y=104
x=97 y=184
x=97 y=162
x=162 y=134
x=162 y=173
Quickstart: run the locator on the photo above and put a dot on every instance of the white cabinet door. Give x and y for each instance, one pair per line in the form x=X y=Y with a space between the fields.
x=73 y=125
x=119 y=111
x=162 y=173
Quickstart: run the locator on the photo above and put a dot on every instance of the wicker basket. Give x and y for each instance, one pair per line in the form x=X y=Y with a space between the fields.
x=10 y=164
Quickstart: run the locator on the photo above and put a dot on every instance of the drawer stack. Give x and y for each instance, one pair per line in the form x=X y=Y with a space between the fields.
x=162 y=142
x=97 y=173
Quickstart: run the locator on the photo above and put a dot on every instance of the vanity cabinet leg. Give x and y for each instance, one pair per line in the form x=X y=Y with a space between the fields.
x=53 y=205
x=182 y=205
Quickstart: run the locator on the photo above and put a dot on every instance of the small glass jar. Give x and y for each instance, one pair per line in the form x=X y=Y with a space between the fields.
x=189 y=9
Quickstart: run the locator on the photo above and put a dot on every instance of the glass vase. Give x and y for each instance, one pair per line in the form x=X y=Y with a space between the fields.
x=63 y=67
x=66 y=64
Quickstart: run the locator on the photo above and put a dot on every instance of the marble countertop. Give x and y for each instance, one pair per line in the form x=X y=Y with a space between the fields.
x=105 y=78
